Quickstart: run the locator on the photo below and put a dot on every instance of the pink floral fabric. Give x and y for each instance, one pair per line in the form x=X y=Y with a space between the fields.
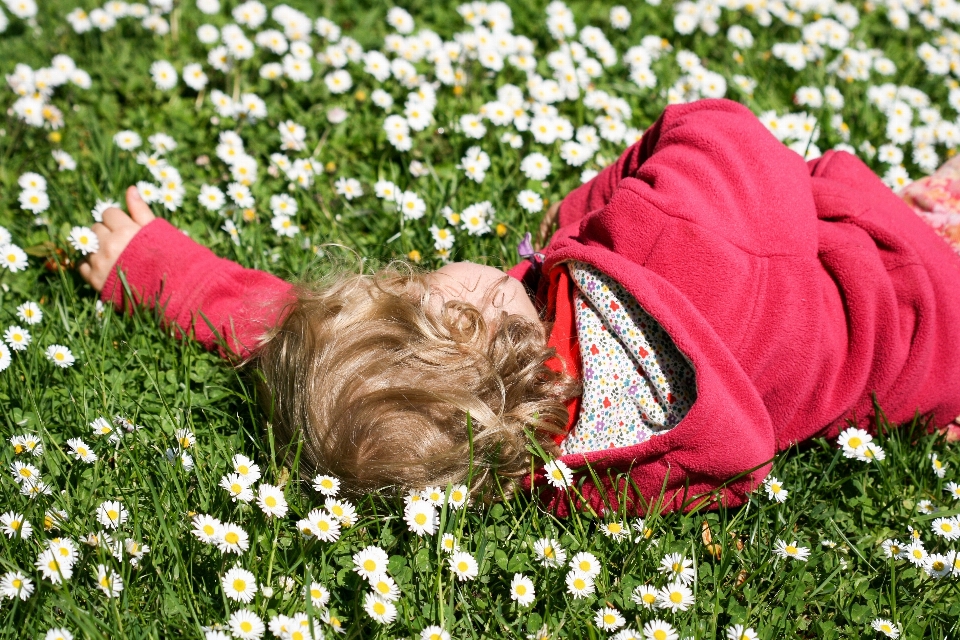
x=936 y=199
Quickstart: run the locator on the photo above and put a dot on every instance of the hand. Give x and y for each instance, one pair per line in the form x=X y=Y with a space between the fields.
x=114 y=234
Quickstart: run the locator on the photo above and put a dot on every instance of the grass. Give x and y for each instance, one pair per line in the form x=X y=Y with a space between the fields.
x=841 y=509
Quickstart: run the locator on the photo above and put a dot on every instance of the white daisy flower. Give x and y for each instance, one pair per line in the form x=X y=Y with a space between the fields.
x=463 y=565
x=246 y=625
x=385 y=587
x=380 y=610
x=558 y=474
x=111 y=514
x=549 y=552
x=84 y=240
x=579 y=585
x=239 y=585
x=521 y=590
x=15 y=584
x=15 y=259
x=271 y=500
x=370 y=561
x=108 y=581
x=791 y=550
x=60 y=355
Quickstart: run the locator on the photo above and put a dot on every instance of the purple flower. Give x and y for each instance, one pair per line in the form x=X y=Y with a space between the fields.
x=525 y=248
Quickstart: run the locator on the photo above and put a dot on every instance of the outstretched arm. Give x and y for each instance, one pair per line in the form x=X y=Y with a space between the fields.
x=205 y=296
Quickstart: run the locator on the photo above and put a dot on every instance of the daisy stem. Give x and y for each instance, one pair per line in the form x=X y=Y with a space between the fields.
x=273 y=549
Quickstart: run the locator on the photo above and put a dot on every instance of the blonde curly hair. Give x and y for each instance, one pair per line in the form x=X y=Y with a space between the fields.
x=366 y=380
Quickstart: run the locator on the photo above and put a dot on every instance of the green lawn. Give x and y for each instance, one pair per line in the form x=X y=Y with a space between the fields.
x=841 y=510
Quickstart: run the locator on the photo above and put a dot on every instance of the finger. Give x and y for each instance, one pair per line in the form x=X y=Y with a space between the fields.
x=139 y=209
x=115 y=219
x=85 y=270
x=101 y=231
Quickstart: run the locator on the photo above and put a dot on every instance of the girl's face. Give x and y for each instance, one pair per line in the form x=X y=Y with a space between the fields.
x=487 y=288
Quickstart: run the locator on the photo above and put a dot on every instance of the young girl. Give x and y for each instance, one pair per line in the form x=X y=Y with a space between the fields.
x=709 y=300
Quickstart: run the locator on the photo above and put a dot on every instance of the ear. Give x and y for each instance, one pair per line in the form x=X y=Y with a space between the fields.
x=139 y=210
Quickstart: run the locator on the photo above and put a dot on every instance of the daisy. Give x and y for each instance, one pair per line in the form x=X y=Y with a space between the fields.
x=237 y=486
x=325 y=526
x=379 y=609
x=81 y=451
x=448 y=543
x=939 y=468
x=521 y=590
x=953 y=489
x=326 y=485
x=869 y=452
x=740 y=632
x=626 y=634
x=342 y=510
x=53 y=569
x=609 y=619
x=852 y=439
x=558 y=474
x=271 y=500
x=108 y=581
x=127 y=140
x=885 y=627
x=434 y=633
x=775 y=490
x=893 y=548
x=239 y=584
x=14 y=584
x=211 y=198
x=5 y=357
x=60 y=355
x=616 y=530
x=458 y=496
x=232 y=538
x=434 y=495
x=421 y=517
x=24 y=472
x=135 y=550
x=58 y=633
x=938 y=565
x=349 y=188
x=587 y=563
x=246 y=625
x=676 y=596
x=15 y=259
x=681 y=568
x=111 y=514
x=184 y=437
x=319 y=595
x=84 y=240
x=463 y=565
x=27 y=442
x=34 y=200
x=14 y=525
x=101 y=427
x=659 y=630
x=549 y=552
x=530 y=201
x=385 y=587
x=580 y=585
x=370 y=561
x=644 y=595
x=948 y=528
x=791 y=550
x=30 y=313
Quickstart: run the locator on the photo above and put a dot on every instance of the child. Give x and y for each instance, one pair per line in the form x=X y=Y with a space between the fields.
x=708 y=300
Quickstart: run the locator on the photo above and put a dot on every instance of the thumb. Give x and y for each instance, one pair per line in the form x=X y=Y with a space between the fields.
x=139 y=210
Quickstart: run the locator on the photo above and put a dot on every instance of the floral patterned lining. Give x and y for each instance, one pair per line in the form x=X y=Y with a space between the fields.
x=636 y=383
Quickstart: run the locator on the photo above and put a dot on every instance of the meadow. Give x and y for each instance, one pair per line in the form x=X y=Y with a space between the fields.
x=141 y=495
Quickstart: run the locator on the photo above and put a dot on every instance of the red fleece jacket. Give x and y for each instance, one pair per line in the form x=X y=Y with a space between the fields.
x=796 y=290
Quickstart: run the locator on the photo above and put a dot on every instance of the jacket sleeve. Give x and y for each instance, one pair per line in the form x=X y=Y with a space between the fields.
x=216 y=301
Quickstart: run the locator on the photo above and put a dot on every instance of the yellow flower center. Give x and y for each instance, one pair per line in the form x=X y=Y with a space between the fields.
x=323 y=525
x=521 y=590
x=854 y=442
x=676 y=597
x=379 y=608
x=649 y=598
x=270 y=501
x=369 y=565
x=791 y=549
x=462 y=566
x=113 y=514
x=246 y=626
x=232 y=538
x=209 y=530
x=660 y=634
x=239 y=585
x=579 y=583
